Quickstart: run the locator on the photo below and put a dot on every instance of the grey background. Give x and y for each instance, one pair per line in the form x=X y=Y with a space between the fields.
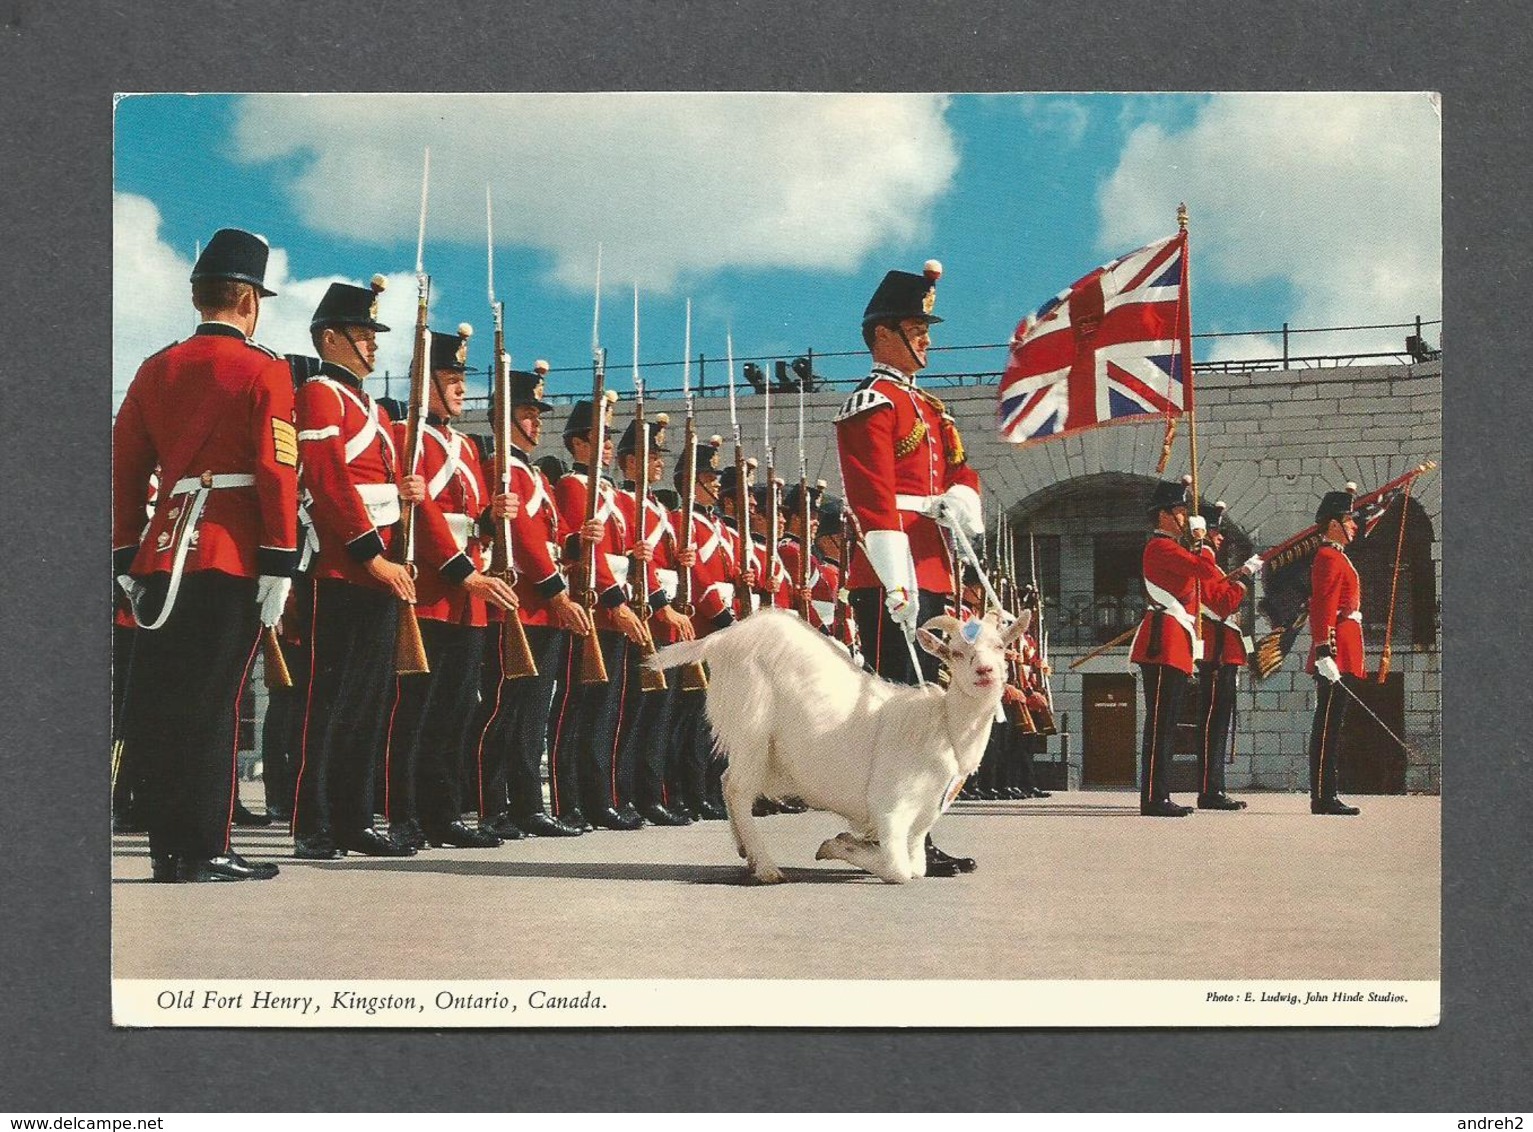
x=59 y=65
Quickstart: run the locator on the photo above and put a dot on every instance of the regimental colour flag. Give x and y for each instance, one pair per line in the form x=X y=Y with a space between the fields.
x=1117 y=345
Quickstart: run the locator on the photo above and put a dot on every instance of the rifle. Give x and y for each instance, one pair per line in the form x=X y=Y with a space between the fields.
x=1006 y=590
x=593 y=668
x=274 y=664
x=1045 y=715
x=742 y=491
x=515 y=653
x=409 y=649
x=801 y=599
x=650 y=679
x=694 y=678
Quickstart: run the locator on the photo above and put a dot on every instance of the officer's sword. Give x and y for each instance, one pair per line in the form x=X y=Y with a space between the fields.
x=1371 y=714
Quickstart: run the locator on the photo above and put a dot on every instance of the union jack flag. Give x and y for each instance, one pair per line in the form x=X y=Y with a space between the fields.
x=1115 y=346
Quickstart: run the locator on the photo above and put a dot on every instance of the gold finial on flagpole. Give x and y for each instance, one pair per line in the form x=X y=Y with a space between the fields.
x=1181 y=216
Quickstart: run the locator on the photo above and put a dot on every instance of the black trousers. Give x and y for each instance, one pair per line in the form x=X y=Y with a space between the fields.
x=1164 y=689
x=645 y=748
x=598 y=715
x=181 y=716
x=429 y=734
x=1024 y=746
x=883 y=643
x=515 y=736
x=350 y=694
x=127 y=770
x=691 y=738
x=1325 y=738
x=282 y=731
x=1216 y=687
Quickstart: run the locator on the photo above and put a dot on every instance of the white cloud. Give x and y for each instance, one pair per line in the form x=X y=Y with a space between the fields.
x=671 y=184
x=1338 y=195
x=1066 y=118
x=152 y=306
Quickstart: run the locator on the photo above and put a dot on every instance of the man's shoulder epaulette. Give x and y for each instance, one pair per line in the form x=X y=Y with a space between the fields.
x=161 y=350
x=267 y=350
x=303 y=367
x=863 y=398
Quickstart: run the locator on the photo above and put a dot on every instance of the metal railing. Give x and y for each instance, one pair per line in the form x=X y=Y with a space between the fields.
x=709 y=376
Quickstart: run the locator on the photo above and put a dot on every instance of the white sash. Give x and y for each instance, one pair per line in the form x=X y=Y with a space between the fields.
x=1178 y=613
x=452 y=464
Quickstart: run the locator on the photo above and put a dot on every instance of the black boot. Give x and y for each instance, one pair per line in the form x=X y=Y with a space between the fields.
x=940 y=864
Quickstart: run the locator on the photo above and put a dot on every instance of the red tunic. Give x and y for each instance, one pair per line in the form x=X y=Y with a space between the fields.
x=349 y=463
x=1223 y=637
x=713 y=577
x=215 y=403
x=535 y=535
x=1335 y=609
x=899 y=449
x=611 y=558
x=1176 y=579
x=457 y=498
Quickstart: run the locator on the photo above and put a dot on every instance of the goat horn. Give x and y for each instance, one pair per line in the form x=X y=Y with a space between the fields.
x=944 y=623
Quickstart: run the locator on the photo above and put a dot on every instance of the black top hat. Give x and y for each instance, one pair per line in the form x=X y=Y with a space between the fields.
x=579 y=423
x=830 y=515
x=527 y=389
x=629 y=442
x=1213 y=513
x=345 y=305
x=793 y=499
x=234 y=254
x=902 y=295
x=1336 y=504
x=1169 y=494
x=450 y=351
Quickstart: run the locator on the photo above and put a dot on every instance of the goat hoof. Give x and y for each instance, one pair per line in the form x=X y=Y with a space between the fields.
x=768 y=876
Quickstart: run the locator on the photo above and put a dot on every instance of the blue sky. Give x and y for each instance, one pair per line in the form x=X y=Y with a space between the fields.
x=778 y=214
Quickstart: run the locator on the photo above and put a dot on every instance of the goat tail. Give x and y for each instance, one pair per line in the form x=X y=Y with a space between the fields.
x=682 y=652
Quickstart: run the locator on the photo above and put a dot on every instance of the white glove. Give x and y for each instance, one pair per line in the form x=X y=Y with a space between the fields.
x=132 y=587
x=959 y=507
x=1326 y=667
x=1252 y=565
x=1197 y=526
x=903 y=608
x=271 y=598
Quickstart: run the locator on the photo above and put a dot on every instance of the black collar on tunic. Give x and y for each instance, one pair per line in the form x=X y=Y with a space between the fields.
x=337 y=372
x=220 y=330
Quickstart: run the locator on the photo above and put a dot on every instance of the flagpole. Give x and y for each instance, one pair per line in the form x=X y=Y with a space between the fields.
x=1184 y=347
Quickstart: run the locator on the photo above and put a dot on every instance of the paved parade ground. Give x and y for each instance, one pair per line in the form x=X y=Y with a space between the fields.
x=1076 y=886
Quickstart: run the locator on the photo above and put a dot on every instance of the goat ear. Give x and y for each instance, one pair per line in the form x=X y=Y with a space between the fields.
x=934 y=644
x=1014 y=632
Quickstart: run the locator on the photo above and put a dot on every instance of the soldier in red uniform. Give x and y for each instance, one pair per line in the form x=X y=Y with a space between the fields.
x=1336 y=623
x=790 y=548
x=1177 y=581
x=214 y=414
x=644 y=740
x=828 y=541
x=511 y=749
x=351 y=472
x=428 y=733
x=903 y=464
x=587 y=716
x=713 y=600
x=1224 y=654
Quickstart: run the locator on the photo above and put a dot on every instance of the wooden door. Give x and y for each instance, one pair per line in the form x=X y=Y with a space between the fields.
x=1109 y=738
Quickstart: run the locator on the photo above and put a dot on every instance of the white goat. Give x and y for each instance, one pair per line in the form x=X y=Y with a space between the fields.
x=795 y=716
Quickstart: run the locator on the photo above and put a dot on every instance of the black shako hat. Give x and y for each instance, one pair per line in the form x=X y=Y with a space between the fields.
x=450 y=351
x=1335 y=504
x=729 y=479
x=629 y=442
x=579 y=423
x=902 y=295
x=1169 y=494
x=346 y=305
x=830 y=515
x=1213 y=513
x=793 y=499
x=527 y=389
x=236 y=255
